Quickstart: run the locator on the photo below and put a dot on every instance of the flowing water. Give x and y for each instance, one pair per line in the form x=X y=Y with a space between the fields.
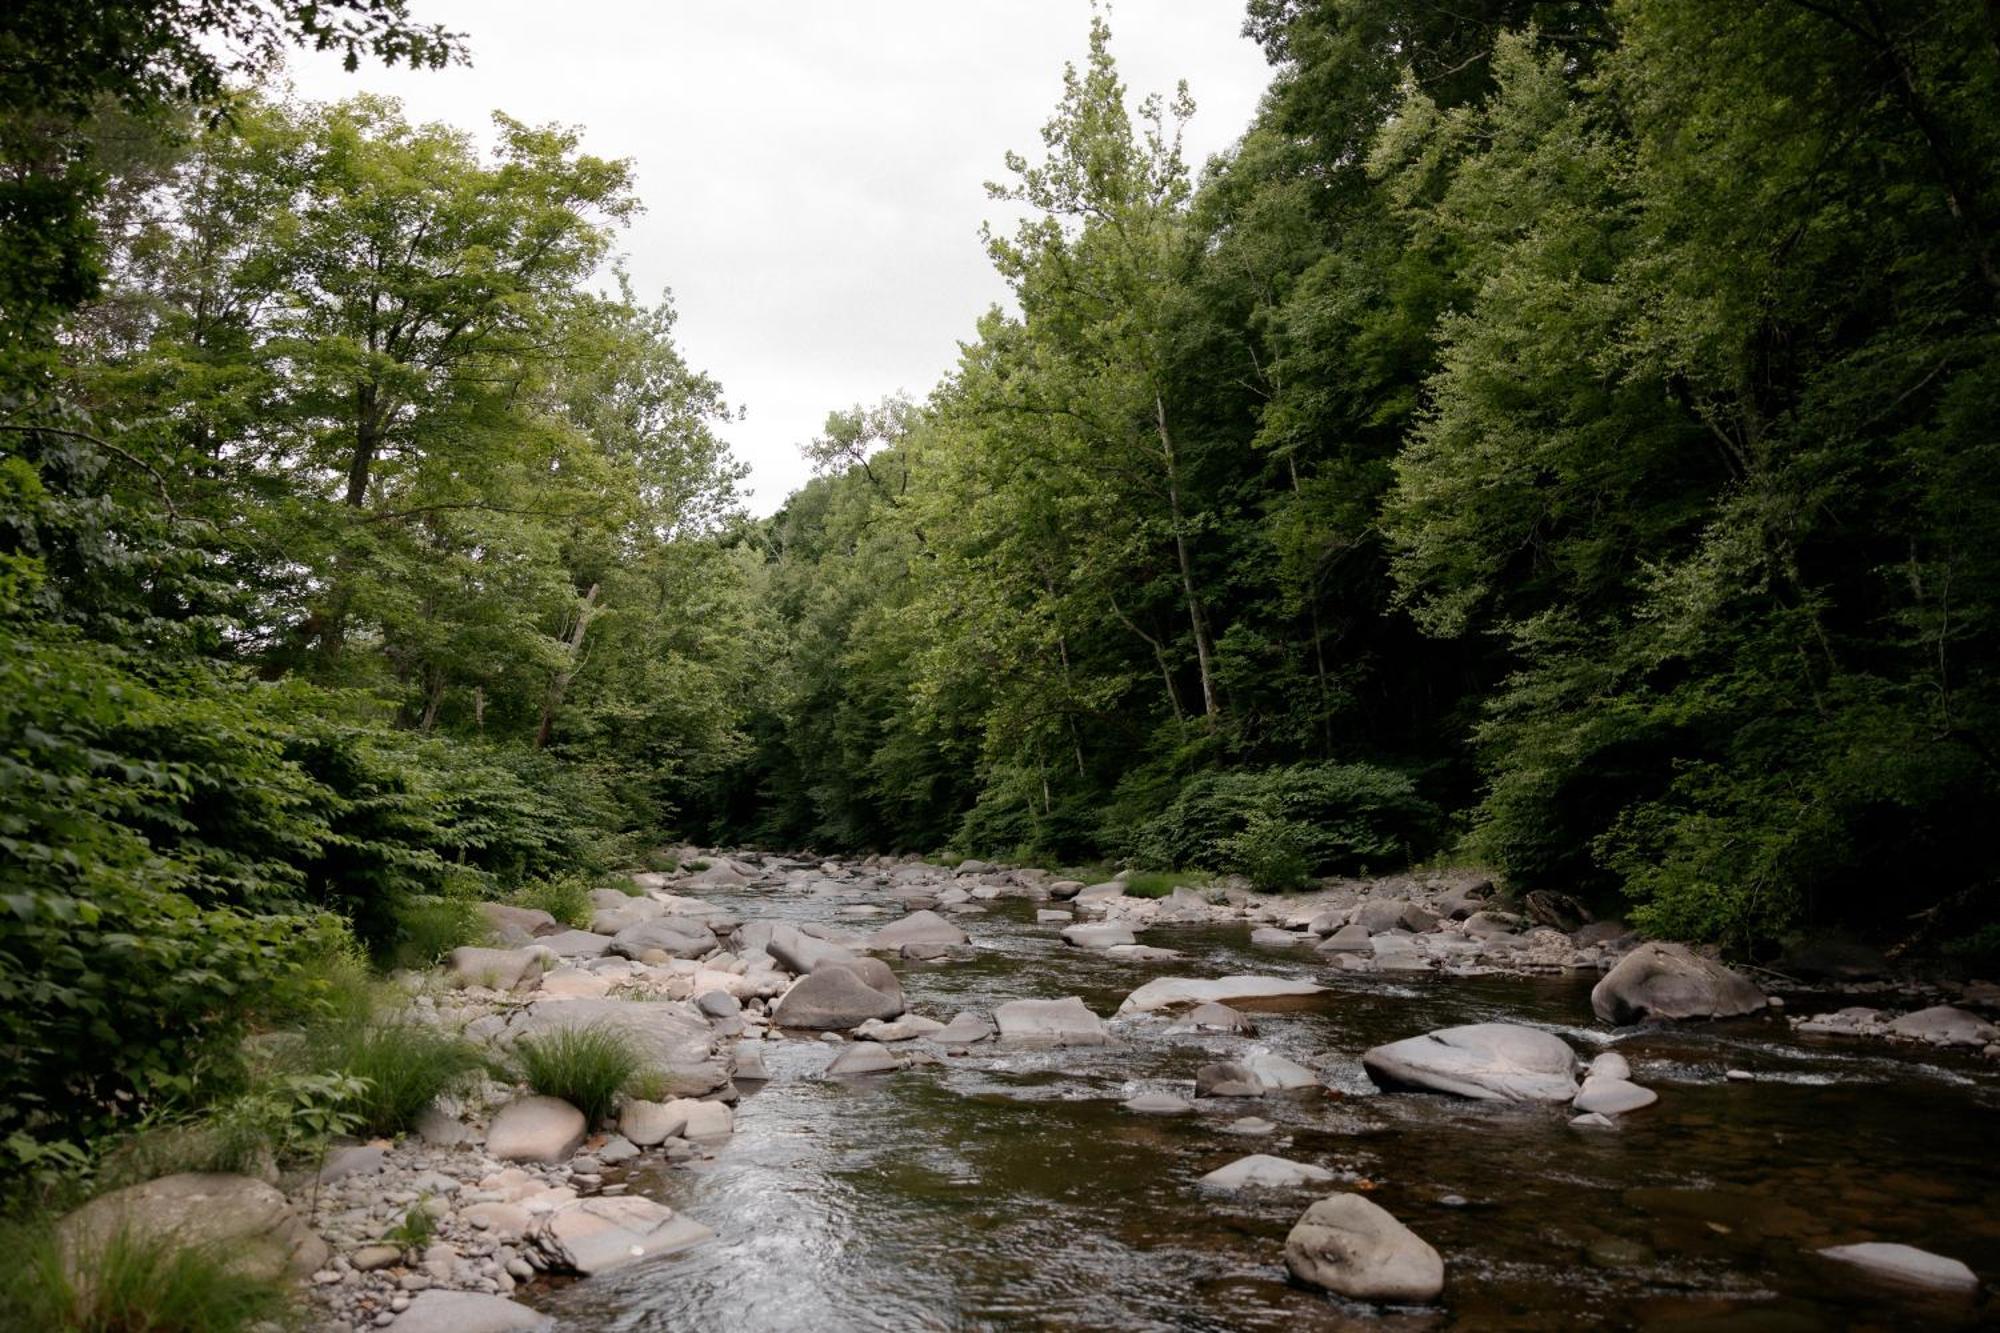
x=1009 y=1189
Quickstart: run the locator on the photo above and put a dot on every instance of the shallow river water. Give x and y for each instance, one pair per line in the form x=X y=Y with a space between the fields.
x=1009 y=1189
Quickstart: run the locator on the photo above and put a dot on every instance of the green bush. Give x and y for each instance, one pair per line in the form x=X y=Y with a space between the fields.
x=566 y=898
x=404 y=1066
x=1272 y=852
x=124 y=1283
x=428 y=928
x=588 y=1067
x=1270 y=822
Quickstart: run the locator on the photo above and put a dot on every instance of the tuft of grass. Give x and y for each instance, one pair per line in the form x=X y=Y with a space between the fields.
x=588 y=1067
x=696 y=866
x=1160 y=883
x=407 y=1066
x=429 y=928
x=128 y=1283
x=567 y=899
x=415 y=1231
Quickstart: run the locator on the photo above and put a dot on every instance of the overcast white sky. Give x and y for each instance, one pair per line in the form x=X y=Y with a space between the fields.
x=812 y=172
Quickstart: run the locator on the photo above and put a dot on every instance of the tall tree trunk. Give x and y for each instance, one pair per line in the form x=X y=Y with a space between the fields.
x=434 y=702
x=1159 y=657
x=1197 y=617
x=586 y=608
x=367 y=439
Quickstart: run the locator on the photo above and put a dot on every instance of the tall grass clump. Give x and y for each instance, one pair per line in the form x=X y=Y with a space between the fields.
x=428 y=928
x=588 y=1067
x=405 y=1067
x=125 y=1282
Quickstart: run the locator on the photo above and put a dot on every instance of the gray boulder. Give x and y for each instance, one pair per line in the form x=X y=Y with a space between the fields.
x=1104 y=892
x=1277 y=1073
x=1064 y=1022
x=438 y=1311
x=921 y=927
x=677 y=937
x=1348 y=939
x=246 y=1221
x=651 y=1123
x=799 y=953
x=1491 y=925
x=1272 y=937
x=1347 y=1245
x=516 y=926
x=499 y=969
x=1612 y=1096
x=1484 y=1061
x=1944 y=1025
x=1377 y=916
x=965 y=1028
x=839 y=996
x=1098 y=936
x=1667 y=981
x=576 y=944
x=536 y=1129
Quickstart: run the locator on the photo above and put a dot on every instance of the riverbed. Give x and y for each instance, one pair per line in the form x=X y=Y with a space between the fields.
x=1011 y=1189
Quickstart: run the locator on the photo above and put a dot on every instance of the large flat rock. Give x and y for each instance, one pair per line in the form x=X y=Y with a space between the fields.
x=1172 y=992
x=1485 y=1061
x=604 y=1233
x=1064 y=1022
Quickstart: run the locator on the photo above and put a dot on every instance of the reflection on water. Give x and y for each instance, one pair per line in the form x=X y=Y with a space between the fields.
x=1009 y=1189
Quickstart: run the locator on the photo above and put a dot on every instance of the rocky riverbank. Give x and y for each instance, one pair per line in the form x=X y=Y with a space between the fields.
x=502 y=1190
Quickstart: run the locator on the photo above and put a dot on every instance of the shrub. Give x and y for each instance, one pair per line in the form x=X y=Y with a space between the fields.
x=125 y=1283
x=405 y=1067
x=567 y=898
x=588 y=1067
x=1272 y=852
x=429 y=928
x=1155 y=883
x=1332 y=817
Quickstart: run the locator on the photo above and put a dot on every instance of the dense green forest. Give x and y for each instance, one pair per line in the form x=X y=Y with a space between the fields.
x=1558 y=435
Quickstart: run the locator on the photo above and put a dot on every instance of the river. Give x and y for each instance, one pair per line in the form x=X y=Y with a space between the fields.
x=1010 y=1189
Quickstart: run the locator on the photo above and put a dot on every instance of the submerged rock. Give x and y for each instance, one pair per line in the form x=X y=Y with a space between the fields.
x=600 y=1234
x=1668 y=981
x=1226 y=1078
x=1261 y=1171
x=864 y=1057
x=1101 y=936
x=1485 y=1061
x=1346 y=1244
x=1159 y=1103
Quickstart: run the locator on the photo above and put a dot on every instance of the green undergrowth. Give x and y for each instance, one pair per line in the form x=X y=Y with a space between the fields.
x=126 y=1283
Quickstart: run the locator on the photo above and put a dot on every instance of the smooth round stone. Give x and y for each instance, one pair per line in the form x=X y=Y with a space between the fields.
x=1251 y=1125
